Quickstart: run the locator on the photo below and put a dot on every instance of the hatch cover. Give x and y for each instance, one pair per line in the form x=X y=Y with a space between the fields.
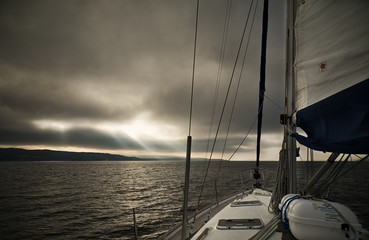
x=249 y=223
x=245 y=203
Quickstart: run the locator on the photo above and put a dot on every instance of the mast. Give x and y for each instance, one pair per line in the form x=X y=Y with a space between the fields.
x=290 y=98
x=261 y=87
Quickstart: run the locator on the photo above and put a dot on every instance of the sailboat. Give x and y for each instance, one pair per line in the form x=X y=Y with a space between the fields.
x=327 y=96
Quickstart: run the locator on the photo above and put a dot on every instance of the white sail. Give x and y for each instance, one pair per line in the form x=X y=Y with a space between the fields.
x=332 y=48
x=332 y=75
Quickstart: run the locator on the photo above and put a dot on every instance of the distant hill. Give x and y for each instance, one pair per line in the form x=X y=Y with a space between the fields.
x=18 y=154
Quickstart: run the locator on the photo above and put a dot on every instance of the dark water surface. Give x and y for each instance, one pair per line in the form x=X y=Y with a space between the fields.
x=94 y=200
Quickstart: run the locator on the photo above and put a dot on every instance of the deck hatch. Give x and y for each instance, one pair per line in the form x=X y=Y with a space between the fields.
x=249 y=223
x=245 y=203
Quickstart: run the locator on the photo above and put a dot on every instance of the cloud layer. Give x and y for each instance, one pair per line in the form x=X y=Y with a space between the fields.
x=115 y=75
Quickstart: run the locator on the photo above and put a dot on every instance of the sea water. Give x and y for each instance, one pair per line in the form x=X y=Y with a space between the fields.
x=95 y=200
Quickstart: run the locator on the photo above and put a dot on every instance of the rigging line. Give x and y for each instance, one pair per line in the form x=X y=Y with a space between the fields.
x=225 y=103
x=337 y=177
x=338 y=167
x=247 y=134
x=304 y=167
x=239 y=79
x=224 y=40
x=231 y=80
x=220 y=68
x=332 y=174
x=359 y=157
x=238 y=84
x=193 y=66
x=189 y=138
x=355 y=179
x=289 y=130
x=216 y=93
x=276 y=104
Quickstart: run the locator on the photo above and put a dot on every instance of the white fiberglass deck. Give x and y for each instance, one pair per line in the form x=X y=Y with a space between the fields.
x=212 y=231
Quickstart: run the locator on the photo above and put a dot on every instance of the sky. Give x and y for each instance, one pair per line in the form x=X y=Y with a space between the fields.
x=115 y=76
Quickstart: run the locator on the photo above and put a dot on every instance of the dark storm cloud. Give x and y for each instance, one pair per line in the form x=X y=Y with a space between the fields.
x=91 y=37
x=78 y=37
x=23 y=133
x=206 y=76
x=55 y=51
x=34 y=99
x=111 y=60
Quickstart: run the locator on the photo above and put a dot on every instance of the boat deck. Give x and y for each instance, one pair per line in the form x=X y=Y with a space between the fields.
x=176 y=232
x=240 y=219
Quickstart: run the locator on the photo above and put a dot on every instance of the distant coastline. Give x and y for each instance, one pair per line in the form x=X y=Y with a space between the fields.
x=19 y=154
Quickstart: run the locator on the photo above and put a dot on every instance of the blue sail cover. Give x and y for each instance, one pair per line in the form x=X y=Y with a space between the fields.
x=332 y=75
x=339 y=123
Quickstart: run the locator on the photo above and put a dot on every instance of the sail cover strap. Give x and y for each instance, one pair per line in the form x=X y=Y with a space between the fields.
x=339 y=123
